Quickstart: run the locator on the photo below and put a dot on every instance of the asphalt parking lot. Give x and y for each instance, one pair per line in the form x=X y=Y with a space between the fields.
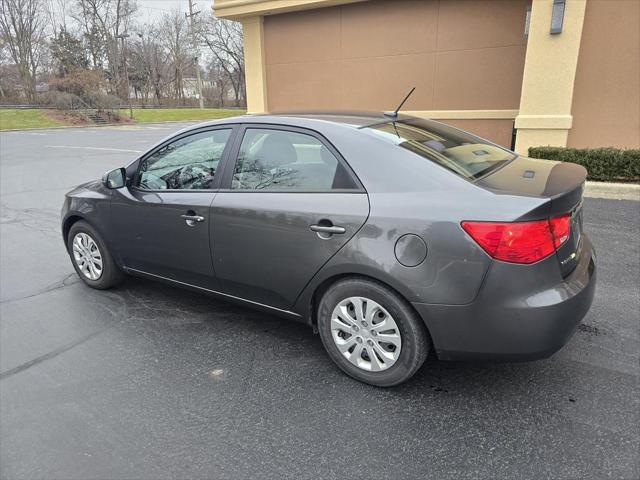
x=149 y=381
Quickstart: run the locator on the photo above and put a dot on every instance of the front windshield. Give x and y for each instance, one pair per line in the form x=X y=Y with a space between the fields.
x=465 y=154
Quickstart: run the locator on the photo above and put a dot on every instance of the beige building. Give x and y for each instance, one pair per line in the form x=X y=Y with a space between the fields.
x=493 y=67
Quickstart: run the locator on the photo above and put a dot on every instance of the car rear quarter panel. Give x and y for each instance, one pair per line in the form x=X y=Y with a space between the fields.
x=453 y=269
x=523 y=312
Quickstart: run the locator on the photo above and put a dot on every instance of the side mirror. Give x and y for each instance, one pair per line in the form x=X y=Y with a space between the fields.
x=115 y=178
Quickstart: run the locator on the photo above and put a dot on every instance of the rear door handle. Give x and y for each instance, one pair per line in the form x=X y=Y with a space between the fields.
x=330 y=229
x=192 y=219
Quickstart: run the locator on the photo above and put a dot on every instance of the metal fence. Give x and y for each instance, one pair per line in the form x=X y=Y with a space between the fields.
x=147 y=107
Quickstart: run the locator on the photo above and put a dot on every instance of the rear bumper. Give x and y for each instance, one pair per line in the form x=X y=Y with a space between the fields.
x=516 y=315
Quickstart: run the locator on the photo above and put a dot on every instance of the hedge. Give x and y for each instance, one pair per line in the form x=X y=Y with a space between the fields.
x=603 y=164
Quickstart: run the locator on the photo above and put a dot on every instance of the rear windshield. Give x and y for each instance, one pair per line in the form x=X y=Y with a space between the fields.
x=465 y=154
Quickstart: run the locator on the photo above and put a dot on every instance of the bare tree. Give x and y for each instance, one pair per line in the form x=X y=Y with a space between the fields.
x=224 y=39
x=103 y=22
x=57 y=14
x=86 y=40
x=152 y=62
x=220 y=84
x=175 y=38
x=22 y=28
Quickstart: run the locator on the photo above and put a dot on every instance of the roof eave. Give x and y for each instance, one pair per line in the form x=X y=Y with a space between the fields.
x=238 y=9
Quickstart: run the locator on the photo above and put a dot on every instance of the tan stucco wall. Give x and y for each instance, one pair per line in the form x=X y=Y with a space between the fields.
x=465 y=56
x=606 y=101
x=498 y=131
x=549 y=73
x=255 y=72
x=460 y=54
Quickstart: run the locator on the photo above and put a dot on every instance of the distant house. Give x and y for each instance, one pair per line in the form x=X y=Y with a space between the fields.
x=190 y=86
x=11 y=85
x=42 y=87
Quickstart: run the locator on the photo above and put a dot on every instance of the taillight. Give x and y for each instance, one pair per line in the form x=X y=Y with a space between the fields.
x=520 y=242
x=560 y=229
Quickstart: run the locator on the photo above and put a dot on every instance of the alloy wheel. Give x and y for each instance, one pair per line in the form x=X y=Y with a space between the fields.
x=87 y=256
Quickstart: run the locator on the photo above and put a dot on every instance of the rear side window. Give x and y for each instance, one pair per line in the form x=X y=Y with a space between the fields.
x=465 y=154
x=284 y=160
x=186 y=164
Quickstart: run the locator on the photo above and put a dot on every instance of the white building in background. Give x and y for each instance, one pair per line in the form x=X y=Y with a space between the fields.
x=190 y=86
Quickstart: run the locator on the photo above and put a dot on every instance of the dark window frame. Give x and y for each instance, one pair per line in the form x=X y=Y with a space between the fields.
x=217 y=179
x=232 y=159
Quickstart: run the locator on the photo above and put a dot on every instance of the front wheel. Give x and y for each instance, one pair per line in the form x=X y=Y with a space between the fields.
x=91 y=259
x=371 y=333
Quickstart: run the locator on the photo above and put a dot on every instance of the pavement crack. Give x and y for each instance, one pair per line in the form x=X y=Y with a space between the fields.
x=45 y=221
x=65 y=282
x=47 y=356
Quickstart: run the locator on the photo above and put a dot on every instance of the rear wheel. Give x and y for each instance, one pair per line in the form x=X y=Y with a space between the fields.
x=91 y=259
x=371 y=333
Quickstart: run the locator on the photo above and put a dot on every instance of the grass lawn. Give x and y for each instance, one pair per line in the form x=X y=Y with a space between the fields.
x=147 y=115
x=20 y=118
x=35 y=118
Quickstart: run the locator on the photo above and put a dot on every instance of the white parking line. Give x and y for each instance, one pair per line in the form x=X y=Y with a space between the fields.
x=132 y=128
x=96 y=148
x=22 y=132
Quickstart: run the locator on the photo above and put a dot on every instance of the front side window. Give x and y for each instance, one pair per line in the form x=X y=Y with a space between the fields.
x=465 y=154
x=282 y=160
x=186 y=164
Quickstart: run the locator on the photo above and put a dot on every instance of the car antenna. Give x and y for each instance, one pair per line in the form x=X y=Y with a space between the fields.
x=394 y=114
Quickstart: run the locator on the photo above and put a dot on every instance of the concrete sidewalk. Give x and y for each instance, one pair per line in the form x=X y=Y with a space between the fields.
x=613 y=191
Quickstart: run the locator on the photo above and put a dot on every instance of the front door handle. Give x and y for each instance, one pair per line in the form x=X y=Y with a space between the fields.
x=192 y=219
x=330 y=229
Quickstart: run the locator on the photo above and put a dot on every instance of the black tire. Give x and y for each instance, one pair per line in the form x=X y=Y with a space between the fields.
x=415 y=339
x=111 y=275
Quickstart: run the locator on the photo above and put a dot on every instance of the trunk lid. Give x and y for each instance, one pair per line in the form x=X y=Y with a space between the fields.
x=561 y=183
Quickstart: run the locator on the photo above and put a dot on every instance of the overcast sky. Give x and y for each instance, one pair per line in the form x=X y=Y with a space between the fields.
x=155 y=8
x=148 y=10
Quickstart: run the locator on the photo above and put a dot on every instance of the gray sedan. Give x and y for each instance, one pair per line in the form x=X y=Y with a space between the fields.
x=393 y=237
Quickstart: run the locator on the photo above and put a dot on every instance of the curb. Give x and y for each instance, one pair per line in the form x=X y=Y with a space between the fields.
x=613 y=191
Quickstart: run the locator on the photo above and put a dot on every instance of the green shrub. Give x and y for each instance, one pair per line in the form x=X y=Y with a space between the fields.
x=603 y=164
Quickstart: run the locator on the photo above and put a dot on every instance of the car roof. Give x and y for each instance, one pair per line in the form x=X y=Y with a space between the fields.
x=321 y=121
x=355 y=119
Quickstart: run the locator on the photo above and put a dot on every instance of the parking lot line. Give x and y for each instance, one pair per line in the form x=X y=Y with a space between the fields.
x=96 y=148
